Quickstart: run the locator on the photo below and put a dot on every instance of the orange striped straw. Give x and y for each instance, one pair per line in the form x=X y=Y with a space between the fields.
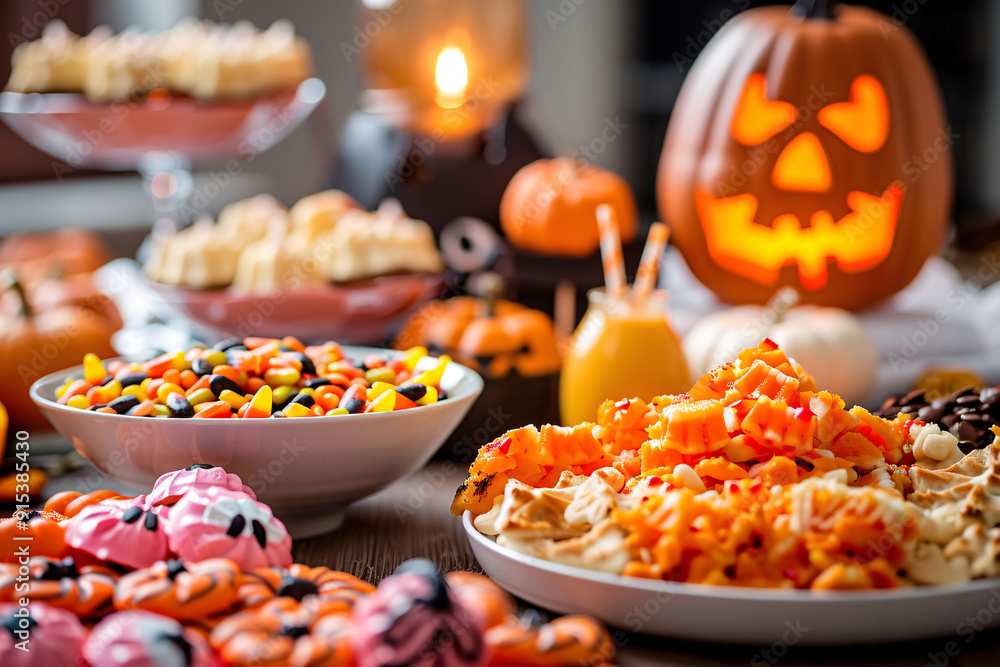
x=649 y=264
x=611 y=252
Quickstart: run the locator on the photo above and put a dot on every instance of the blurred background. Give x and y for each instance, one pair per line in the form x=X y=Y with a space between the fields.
x=594 y=64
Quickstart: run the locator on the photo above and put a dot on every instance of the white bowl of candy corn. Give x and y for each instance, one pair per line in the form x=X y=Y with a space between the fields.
x=330 y=446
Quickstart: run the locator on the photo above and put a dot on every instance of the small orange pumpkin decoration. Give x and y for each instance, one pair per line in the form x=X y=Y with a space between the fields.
x=487 y=334
x=47 y=531
x=182 y=591
x=66 y=251
x=33 y=344
x=808 y=148
x=550 y=207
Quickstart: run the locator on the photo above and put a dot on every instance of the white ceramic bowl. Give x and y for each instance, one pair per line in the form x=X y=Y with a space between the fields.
x=733 y=615
x=308 y=469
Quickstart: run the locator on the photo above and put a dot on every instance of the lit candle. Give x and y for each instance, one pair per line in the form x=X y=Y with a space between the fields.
x=451 y=78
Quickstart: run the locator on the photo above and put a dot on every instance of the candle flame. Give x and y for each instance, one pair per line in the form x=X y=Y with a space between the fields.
x=451 y=78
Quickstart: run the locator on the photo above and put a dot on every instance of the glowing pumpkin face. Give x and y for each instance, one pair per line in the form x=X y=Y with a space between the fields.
x=786 y=161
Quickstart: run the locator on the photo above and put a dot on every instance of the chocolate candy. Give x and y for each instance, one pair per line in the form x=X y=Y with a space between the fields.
x=965 y=413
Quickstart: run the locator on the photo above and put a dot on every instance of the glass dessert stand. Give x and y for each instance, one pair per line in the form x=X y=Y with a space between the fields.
x=160 y=136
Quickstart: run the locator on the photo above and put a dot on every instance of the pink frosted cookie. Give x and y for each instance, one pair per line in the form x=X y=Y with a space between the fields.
x=143 y=639
x=228 y=525
x=121 y=532
x=54 y=636
x=202 y=477
x=415 y=619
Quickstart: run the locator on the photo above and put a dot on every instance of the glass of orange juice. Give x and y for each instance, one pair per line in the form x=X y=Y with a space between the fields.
x=621 y=349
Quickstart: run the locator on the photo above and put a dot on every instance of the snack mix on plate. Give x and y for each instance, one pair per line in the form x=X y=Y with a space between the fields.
x=257 y=377
x=753 y=478
x=197 y=572
x=196 y=58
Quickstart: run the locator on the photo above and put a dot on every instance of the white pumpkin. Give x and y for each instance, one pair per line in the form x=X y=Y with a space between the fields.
x=829 y=343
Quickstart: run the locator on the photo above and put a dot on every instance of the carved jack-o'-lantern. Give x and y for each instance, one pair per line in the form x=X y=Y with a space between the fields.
x=808 y=147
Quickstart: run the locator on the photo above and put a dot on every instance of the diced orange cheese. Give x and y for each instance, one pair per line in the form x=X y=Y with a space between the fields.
x=695 y=428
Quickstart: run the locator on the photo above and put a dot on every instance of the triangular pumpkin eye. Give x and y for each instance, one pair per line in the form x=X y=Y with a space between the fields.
x=757 y=118
x=863 y=122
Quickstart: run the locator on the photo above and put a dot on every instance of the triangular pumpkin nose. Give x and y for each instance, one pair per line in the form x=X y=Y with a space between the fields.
x=802 y=165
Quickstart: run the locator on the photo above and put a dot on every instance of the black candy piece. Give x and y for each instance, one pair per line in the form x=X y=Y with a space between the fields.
x=56 y=570
x=178 y=406
x=132 y=514
x=293 y=631
x=296 y=587
x=123 y=404
x=220 y=383
x=304 y=399
x=312 y=383
x=308 y=367
x=175 y=567
x=224 y=345
x=133 y=378
x=353 y=405
x=201 y=367
x=200 y=466
x=93 y=408
x=151 y=522
x=414 y=392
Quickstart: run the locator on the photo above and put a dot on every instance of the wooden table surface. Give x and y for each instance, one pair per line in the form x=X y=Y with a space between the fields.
x=411 y=519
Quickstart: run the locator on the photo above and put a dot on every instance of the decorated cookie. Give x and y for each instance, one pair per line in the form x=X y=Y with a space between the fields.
x=47 y=531
x=52 y=637
x=414 y=618
x=85 y=590
x=202 y=477
x=284 y=632
x=120 y=532
x=334 y=590
x=182 y=591
x=138 y=638
x=229 y=525
x=569 y=640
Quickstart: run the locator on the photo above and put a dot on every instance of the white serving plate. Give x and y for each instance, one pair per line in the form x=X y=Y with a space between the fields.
x=734 y=615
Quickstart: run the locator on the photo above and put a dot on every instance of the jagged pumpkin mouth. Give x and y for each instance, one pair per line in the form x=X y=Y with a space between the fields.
x=859 y=241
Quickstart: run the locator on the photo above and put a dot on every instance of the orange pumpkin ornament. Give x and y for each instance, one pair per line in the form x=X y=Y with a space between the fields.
x=808 y=148
x=66 y=251
x=550 y=207
x=70 y=503
x=36 y=343
x=487 y=334
x=47 y=531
